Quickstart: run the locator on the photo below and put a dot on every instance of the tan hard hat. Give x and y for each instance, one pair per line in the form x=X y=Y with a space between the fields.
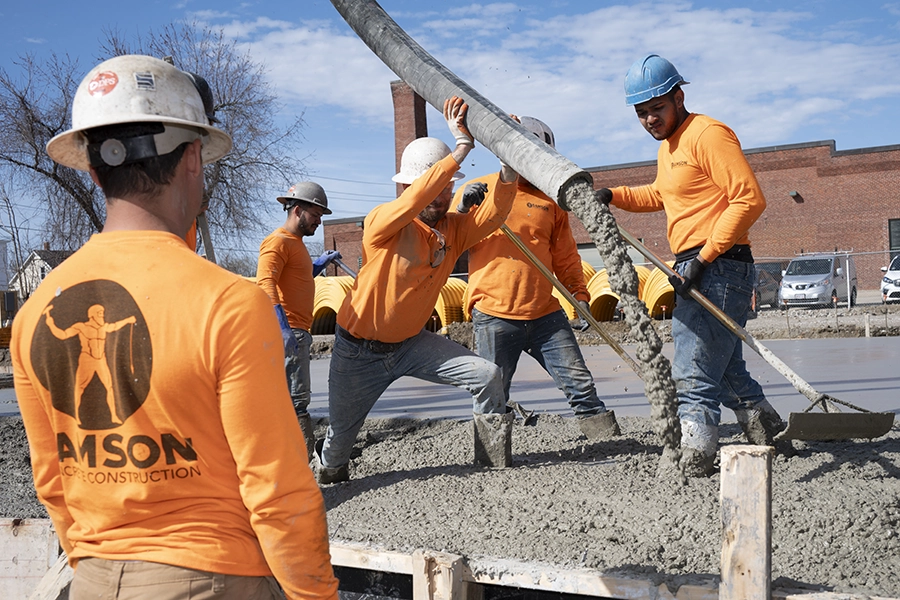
x=136 y=89
x=305 y=191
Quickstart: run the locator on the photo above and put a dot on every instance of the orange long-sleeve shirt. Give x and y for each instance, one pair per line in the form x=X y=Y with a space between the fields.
x=397 y=287
x=707 y=188
x=285 y=273
x=151 y=383
x=503 y=282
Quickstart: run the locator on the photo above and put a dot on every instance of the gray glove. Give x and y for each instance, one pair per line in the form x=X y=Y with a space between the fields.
x=604 y=195
x=473 y=195
x=583 y=325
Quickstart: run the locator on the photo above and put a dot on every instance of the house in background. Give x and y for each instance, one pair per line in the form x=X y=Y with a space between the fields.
x=38 y=264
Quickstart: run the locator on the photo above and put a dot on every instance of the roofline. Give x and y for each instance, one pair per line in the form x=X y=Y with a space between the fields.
x=762 y=150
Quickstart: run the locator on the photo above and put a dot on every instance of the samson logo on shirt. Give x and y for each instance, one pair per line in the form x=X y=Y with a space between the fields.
x=540 y=206
x=679 y=163
x=91 y=349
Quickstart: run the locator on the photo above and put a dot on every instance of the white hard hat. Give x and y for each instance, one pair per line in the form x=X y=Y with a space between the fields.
x=305 y=191
x=540 y=129
x=135 y=89
x=419 y=156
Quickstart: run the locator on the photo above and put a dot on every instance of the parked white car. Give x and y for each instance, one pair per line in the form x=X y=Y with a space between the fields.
x=819 y=279
x=890 y=283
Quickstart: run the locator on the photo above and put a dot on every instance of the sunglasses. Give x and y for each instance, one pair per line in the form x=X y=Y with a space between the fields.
x=437 y=256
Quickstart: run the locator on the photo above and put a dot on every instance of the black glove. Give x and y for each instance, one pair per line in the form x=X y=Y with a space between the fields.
x=473 y=195
x=604 y=195
x=693 y=273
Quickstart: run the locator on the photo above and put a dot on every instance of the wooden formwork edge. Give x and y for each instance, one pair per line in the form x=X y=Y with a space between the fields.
x=438 y=575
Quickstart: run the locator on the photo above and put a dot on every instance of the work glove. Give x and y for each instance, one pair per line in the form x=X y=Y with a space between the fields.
x=583 y=325
x=604 y=195
x=473 y=195
x=291 y=347
x=455 y=113
x=692 y=275
x=322 y=262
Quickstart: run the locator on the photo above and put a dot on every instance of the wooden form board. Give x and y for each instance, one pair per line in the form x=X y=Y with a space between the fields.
x=28 y=549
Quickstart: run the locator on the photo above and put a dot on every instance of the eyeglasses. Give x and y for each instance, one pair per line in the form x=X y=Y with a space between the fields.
x=437 y=256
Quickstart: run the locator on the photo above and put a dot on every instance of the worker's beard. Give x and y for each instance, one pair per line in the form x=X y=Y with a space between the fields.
x=431 y=214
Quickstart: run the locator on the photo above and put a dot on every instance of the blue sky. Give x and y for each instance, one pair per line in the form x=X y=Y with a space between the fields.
x=777 y=72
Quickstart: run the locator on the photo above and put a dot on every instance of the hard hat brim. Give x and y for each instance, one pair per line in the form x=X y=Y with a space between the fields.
x=285 y=199
x=70 y=147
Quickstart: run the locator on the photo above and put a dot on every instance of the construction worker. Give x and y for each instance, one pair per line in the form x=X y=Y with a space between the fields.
x=711 y=198
x=409 y=248
x=285 y=272
x=180 y=467
x=512 y=304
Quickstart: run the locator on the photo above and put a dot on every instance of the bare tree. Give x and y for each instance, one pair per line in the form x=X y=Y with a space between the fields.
x=264 y=154
x=35 y=105
x=33 y=109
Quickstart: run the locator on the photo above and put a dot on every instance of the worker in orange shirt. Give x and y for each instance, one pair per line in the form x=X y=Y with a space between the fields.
x=409 y=248
x=711 y=198
x=285 y=272
x=512 y=304
x=180 y=467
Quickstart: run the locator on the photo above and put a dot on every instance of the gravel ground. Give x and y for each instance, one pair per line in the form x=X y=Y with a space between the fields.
x=604 y=506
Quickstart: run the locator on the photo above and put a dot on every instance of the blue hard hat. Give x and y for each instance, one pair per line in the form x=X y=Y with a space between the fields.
x=650 y=77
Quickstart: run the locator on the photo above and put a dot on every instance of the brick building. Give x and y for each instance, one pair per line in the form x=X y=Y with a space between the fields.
x=819 y=199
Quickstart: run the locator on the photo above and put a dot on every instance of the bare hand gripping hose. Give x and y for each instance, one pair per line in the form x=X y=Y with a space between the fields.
x=544 y=168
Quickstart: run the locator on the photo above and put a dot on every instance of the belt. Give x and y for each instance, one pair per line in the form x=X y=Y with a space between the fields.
x=370 y=345
x=738 y=252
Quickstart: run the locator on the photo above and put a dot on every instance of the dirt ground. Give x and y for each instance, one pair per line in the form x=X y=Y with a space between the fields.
x=603 y=506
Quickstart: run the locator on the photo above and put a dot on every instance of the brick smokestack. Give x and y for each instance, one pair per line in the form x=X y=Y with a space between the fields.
x=410 y=122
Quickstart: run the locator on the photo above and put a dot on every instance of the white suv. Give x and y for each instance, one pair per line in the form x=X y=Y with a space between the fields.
x=890 y=284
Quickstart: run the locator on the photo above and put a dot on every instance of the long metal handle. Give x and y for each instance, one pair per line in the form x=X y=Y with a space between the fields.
x=203 y=226
x=346 y=269
x=584 y=314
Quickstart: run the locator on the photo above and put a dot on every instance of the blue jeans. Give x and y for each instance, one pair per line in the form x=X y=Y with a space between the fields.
x=551 y=342
x=709 y=368
x=358 y=376
x=296 y=367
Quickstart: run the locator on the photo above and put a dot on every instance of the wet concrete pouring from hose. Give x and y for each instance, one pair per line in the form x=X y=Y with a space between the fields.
x=581 y=199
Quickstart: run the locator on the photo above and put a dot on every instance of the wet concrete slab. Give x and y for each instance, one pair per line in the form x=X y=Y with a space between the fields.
x=864 y=371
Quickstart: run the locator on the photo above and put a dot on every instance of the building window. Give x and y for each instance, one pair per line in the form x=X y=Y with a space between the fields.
x=894 y=236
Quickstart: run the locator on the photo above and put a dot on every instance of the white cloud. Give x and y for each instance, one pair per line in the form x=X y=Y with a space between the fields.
x=772 y=76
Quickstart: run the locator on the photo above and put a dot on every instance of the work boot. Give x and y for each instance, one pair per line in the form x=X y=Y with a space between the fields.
x=309 y=437
x=326 y=475
x=599 y=427
x=493 y=440
x=760 y=424
x=698 y=448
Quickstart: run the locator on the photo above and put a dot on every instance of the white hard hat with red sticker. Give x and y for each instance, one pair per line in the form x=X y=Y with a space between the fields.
x=137 y=89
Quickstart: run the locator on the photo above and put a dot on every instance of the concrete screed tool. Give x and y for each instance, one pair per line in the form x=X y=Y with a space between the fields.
x=557 y=177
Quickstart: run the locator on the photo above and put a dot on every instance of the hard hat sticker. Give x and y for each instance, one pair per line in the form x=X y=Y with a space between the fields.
x=103 y=83
x=145 y=81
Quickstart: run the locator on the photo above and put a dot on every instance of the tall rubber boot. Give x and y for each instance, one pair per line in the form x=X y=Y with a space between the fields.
x=493 y=440
x=599 y=427
x=698 y=448
x=760 y=424
x=309 y=436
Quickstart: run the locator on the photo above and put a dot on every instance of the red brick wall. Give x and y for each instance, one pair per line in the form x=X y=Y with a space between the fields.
x=847 y=199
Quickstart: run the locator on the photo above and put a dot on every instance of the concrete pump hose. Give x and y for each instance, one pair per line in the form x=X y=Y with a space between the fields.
x=534 y=160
